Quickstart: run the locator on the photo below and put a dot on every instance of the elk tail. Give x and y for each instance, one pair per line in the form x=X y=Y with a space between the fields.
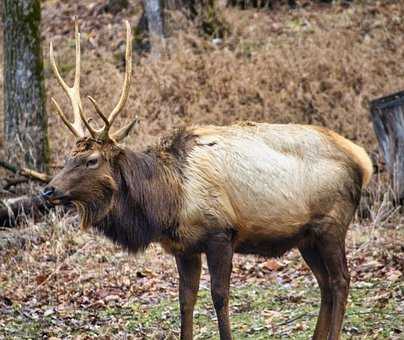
x=358 y=155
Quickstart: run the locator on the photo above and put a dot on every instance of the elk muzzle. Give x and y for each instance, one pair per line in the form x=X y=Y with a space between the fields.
x=54 y=196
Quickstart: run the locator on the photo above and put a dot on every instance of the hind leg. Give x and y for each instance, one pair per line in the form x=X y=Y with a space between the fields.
x=333 y=254
x=313 y=259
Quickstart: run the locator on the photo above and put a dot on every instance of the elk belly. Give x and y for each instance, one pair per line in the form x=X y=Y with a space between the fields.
x=263 y=193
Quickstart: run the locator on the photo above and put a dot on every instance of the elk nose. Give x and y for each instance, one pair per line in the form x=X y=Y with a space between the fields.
x=48 y=191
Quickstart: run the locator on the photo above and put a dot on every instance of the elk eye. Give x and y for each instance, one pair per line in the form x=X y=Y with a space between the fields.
x=92 y=163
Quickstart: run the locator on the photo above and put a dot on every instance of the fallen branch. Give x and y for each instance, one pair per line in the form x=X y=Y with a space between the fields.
x=14 y=181
x=39 y=176
x=17 y=210
x=14 y=211
x=304 y=315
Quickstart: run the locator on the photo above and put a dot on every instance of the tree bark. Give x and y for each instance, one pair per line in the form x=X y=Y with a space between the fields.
x=388 y=121
x=155 y=20
x=25 y=122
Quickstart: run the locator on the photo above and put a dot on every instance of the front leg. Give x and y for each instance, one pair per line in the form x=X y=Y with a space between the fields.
x=189 y=268
x=219 y=254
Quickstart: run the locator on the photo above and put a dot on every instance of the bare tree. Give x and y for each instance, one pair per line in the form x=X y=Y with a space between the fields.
x=25 y=121
x=154 y=15
x=150 y=31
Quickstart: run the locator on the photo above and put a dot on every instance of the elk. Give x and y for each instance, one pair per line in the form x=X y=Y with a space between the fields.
x=250 y=188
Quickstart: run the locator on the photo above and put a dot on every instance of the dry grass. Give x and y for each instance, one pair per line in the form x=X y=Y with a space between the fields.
x=58 y=281
x=317 y=65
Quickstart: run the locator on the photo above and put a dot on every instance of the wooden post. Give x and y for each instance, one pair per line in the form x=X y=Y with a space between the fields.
x=388 y=122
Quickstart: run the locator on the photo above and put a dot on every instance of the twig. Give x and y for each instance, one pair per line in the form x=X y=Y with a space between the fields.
x=287 y=322
x=39 y=176
x=8 y=166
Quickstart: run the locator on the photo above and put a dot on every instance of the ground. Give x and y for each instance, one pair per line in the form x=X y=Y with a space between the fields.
x=317 y=64
x=59 y=282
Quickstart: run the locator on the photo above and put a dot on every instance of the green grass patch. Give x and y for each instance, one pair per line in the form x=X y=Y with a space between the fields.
x=276 y=312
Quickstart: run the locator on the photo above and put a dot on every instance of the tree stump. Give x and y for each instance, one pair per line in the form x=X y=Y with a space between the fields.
x=388 y=122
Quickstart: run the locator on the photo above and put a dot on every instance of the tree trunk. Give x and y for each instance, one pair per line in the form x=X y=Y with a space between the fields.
x=155 y=20
x=25 y=121
x=204 y=12
x=388 y=121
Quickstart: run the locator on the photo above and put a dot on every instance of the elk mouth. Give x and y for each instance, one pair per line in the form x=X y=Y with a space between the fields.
x=60 y=200
x=55 y=197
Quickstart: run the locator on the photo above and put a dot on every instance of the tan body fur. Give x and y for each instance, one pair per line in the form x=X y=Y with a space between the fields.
x=264 y=180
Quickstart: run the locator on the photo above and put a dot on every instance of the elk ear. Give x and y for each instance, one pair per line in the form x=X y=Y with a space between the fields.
x=122 y=133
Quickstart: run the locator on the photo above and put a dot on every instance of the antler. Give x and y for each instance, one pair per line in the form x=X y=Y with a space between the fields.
x=102 y=134
x=72 y=92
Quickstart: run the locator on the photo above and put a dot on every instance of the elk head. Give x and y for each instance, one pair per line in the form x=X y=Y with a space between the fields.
x=87 y=178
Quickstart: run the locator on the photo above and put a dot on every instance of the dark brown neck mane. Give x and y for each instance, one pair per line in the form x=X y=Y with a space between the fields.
x=146 y=204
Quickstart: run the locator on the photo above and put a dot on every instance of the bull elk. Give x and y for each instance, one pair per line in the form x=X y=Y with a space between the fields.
x=250 y=188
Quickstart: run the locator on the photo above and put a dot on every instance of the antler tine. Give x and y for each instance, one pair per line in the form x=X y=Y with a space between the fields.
x=98 y=110
x=64 y=119
x=124 y=131
x=72 y=92
x=128 y=75
x=78 y=56
x=55 y=68
x=92 y=131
